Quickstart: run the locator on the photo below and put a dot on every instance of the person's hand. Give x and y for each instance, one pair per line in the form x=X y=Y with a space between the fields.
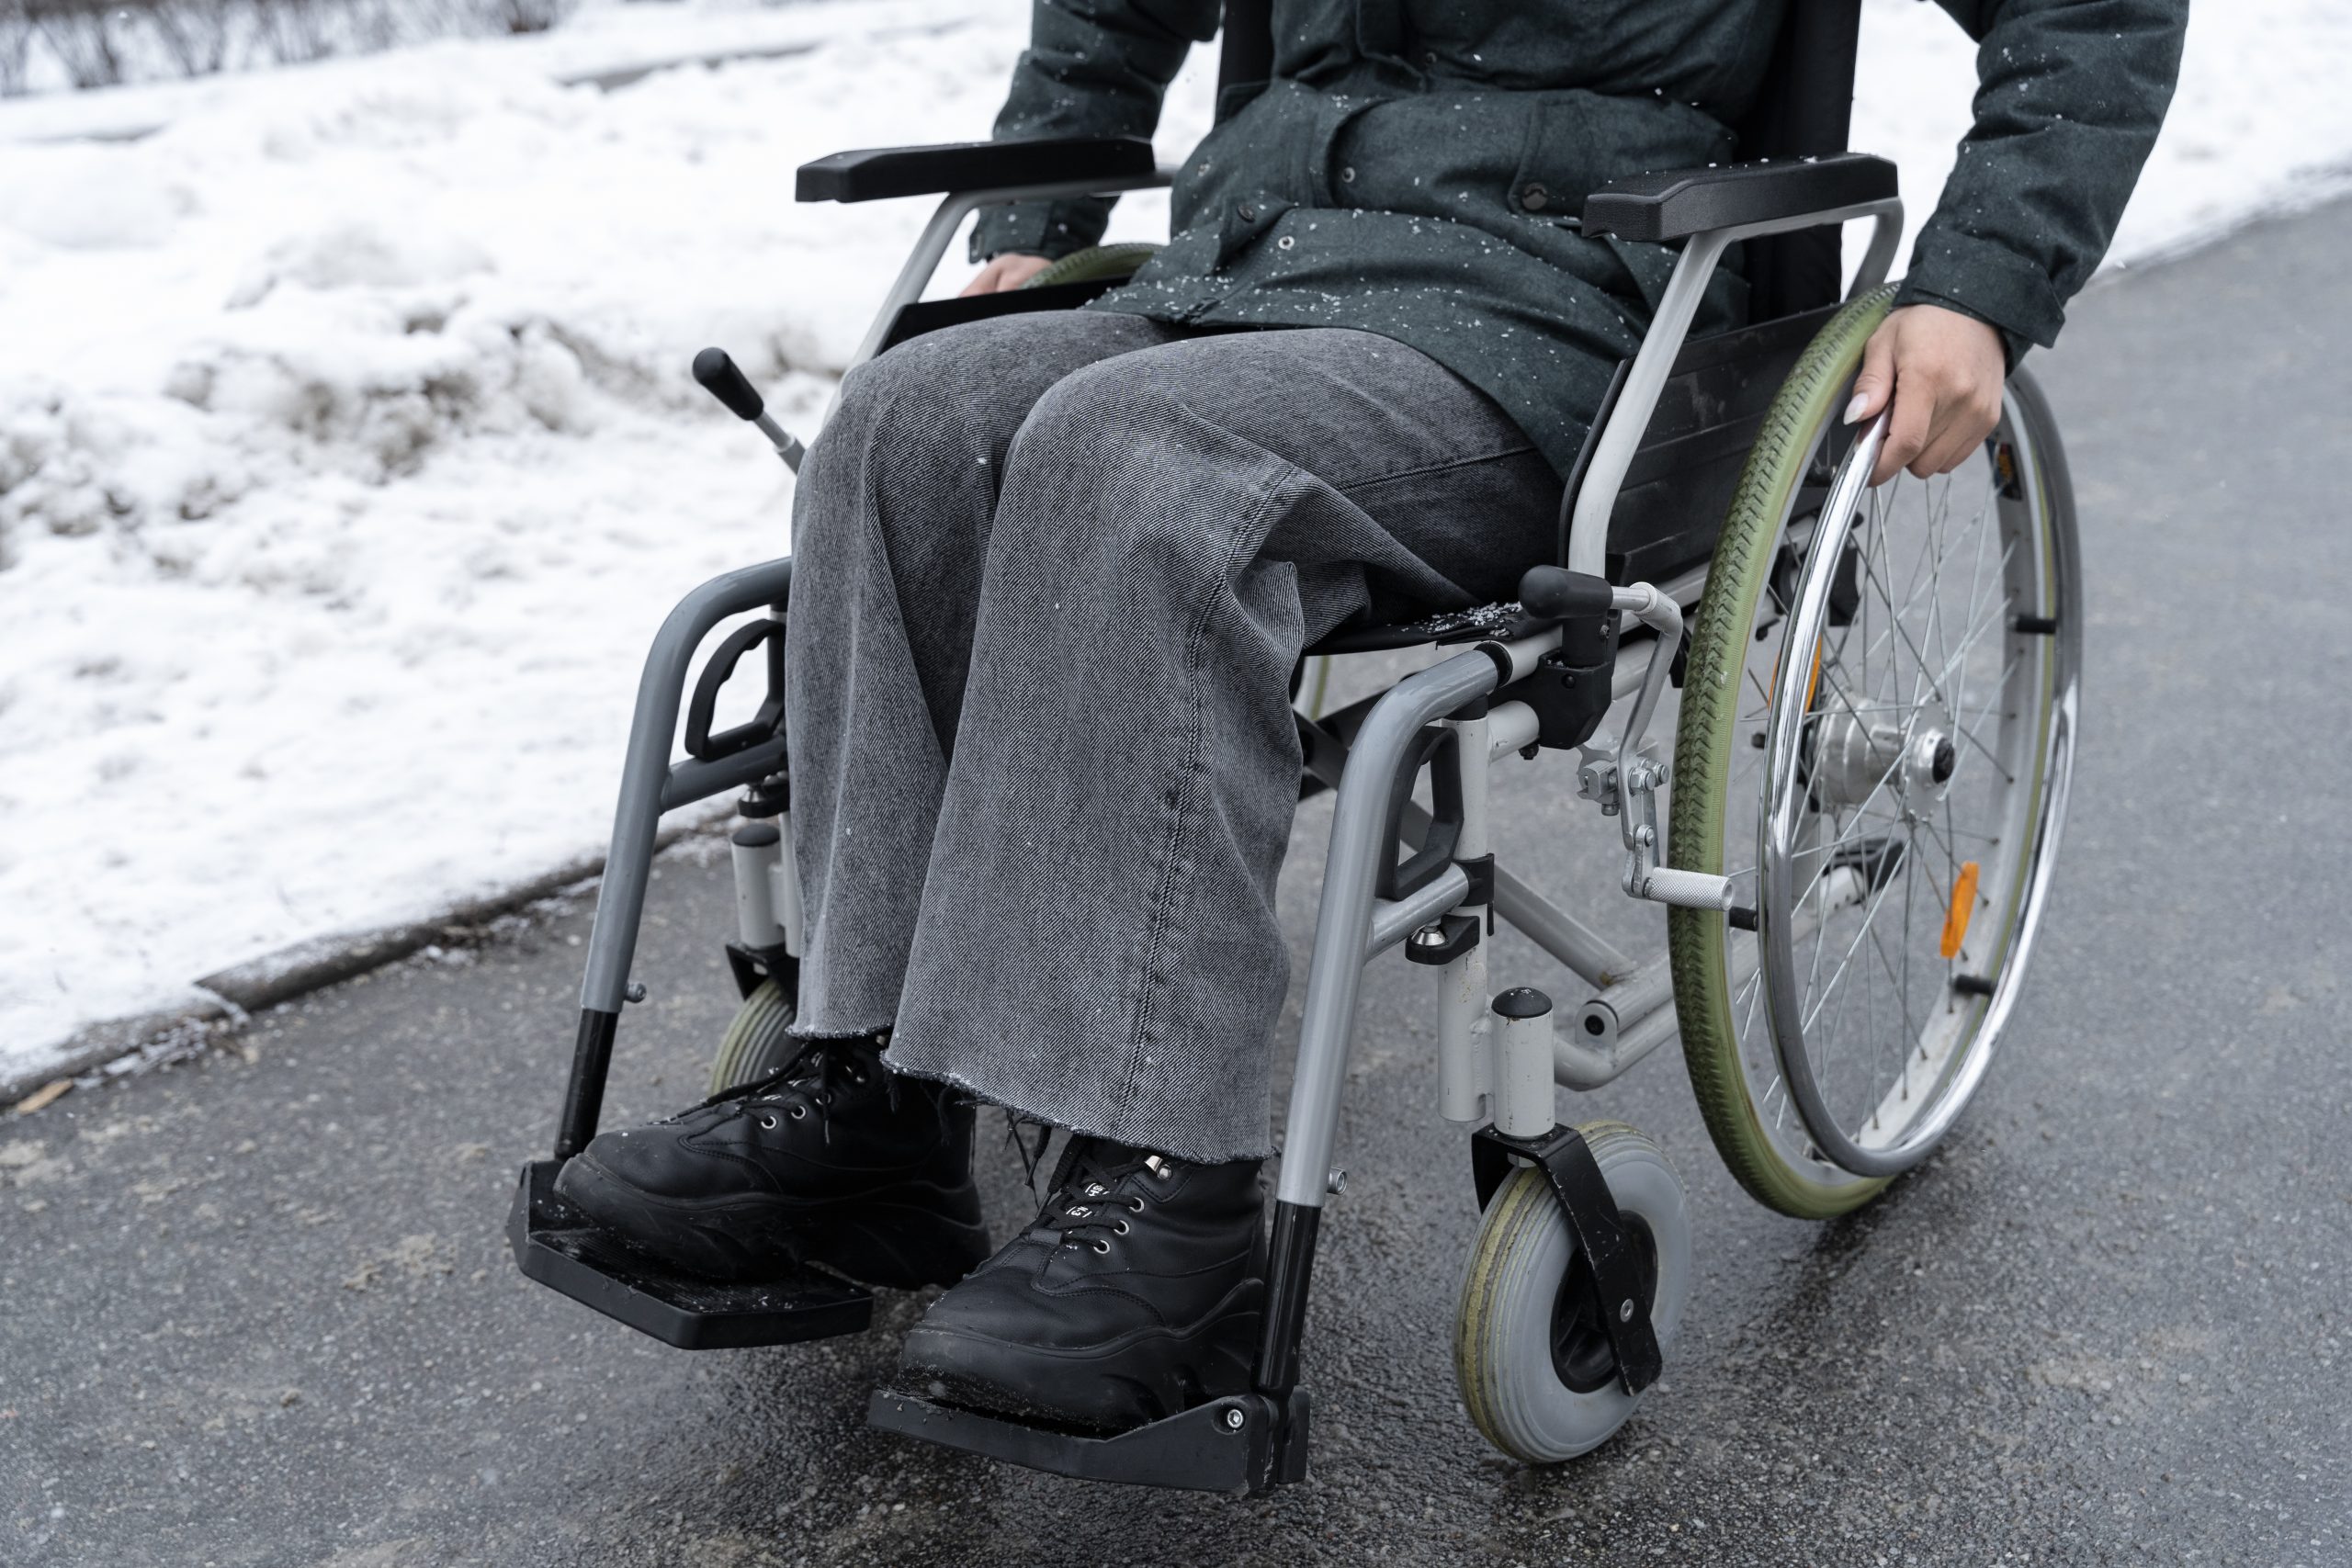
x=1009 y=270
x=1944 y=372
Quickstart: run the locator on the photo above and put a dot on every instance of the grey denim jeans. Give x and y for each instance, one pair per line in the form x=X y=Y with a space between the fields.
x=1052 y=575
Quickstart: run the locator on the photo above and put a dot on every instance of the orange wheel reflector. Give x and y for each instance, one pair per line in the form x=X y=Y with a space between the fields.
x=1963 y=904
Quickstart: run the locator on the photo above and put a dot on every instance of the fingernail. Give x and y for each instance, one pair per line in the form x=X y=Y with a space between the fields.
x=1859 y=407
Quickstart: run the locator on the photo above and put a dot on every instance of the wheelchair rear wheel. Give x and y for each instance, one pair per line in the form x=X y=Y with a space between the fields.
x=1877 y=731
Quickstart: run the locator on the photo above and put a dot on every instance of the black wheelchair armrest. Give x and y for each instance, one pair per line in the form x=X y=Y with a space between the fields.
x=1678 y=203
x=874 y=172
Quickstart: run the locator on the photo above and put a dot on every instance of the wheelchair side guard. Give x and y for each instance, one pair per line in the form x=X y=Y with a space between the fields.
x=1612 y=1277
x=917 y=317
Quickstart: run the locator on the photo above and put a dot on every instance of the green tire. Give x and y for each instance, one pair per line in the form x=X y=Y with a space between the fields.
x=755 y=1043
x=1809 y=402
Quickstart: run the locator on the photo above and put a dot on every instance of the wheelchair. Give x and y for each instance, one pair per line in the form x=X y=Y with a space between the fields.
x=1863 y=804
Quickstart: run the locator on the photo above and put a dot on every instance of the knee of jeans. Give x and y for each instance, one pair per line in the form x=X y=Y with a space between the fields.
x=1114 y=466
x=1099 y=408
x=1110 y=431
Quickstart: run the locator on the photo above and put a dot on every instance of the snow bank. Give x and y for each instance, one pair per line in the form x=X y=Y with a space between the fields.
x=348 y=461
x=347 y=458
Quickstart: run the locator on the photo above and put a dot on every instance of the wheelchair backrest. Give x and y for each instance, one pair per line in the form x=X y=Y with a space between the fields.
x=1805 y=110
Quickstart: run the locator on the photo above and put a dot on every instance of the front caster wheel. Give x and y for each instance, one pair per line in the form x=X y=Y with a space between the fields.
x=755 y=1043
x=1535 y=1367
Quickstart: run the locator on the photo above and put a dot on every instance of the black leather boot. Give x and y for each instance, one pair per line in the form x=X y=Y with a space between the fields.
x=1135 y=1293
x=834 y=1160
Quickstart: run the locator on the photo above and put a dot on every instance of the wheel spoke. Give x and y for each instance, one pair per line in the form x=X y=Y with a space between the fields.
x=1870 y=914
x=1847 y=689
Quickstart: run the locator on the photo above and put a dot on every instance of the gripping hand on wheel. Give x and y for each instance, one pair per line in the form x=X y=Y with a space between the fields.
x=1943 y=372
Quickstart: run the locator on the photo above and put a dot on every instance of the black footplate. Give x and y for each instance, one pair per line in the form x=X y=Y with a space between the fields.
x=1238 y=1444
x=556 y=1246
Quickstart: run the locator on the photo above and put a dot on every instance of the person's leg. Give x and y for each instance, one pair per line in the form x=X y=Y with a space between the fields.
x=836 y=1160
x=1097 y=943
x=891 y=523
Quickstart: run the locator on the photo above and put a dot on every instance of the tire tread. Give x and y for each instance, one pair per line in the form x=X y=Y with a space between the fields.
x=1704 y=734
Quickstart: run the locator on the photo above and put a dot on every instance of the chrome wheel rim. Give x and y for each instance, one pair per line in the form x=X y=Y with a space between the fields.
x=1928 y=725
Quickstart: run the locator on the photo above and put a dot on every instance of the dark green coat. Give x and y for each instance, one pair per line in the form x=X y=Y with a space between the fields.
x=1406 y=170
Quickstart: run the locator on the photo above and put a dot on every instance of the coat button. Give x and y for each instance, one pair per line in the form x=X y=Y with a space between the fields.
x=1534 y=198
x=1348 y=175
x=1248 y=214
x=1285 y=242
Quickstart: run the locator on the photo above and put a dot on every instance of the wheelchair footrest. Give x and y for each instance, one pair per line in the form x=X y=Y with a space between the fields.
x=1227 y=1445
x=559 y=1247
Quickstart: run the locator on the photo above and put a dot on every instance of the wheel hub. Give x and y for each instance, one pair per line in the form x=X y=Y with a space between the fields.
x=1929 y=761
x=1852 y=757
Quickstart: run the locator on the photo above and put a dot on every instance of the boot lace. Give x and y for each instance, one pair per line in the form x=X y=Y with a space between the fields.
x=1096 y=1194
x=819 y=1075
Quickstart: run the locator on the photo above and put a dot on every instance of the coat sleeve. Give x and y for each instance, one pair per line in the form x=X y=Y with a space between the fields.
x=2070 y=96
x=1093 y=68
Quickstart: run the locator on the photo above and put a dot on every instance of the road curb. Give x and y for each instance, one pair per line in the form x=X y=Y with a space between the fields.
x=313 y=964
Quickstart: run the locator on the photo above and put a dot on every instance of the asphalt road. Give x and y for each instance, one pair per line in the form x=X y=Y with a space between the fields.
x=258 y=1309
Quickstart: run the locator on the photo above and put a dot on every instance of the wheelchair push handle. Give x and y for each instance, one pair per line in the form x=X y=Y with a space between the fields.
x=723 y=379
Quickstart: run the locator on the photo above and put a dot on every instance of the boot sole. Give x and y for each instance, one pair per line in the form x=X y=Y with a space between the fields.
x=1145 y=1375
x=902 y=1237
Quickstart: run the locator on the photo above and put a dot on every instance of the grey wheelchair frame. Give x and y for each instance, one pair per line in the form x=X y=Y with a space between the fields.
x=1497 y=1066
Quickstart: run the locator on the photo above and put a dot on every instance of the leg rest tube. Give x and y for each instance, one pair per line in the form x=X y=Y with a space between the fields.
x=1359 y=823
x=1464 y=1064
x=584 y=1096
x=1359 y=828
x=1292 y=1252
